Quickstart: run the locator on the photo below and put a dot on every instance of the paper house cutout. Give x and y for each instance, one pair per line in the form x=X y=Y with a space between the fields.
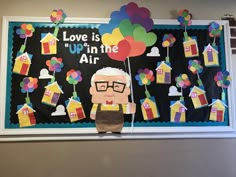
x=26 y=115
x=52 y=94
x=48 y=44
x=163 y=73
x=149 y=108
x=217 y=110
x=210 y=55
x=22 y=63
x=75 y=110
x=198 y=97
x=190 y=48
x=177 y=112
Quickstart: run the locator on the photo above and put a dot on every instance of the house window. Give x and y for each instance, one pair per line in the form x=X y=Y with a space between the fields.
x=72 y=114
x=51 y=42
x=25 y=111
x=210 y=55
x=213 y=110
x=181 y=109
x=55 y=98
x=48 y=92
x=194 y=94
x=160 y=71
x=146 y=105
x=187 y=49
x=23 y=58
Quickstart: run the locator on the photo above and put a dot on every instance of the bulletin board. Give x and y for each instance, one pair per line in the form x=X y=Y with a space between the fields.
x=79 y=46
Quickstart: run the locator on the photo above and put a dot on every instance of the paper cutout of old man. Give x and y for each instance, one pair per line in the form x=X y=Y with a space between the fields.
x=110 y=88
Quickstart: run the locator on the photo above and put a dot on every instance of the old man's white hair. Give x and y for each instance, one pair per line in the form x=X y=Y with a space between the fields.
x=109 y=71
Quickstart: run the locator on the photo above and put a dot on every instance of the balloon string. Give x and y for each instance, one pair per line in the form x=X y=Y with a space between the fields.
x=125 y=67
x=132 y=96
x=25 y=41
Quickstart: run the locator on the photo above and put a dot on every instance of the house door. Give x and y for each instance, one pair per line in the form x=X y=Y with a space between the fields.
x=177 y=117
x=46 y=48
x=80 y=113
x=202 y=99
x=24 y=69
x=55 y=98
x=219 y=116
x=167 y=77
x=194 y=49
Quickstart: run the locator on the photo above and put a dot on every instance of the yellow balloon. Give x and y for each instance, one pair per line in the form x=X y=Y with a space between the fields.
x=29 y=27
x=184 y=76
x=54 y=14
x=145 y=81
x=112 y=39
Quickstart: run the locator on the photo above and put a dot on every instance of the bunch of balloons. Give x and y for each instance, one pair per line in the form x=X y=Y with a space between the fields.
x=195 y=66
x=168 y=40
x=25 y=30
x=29 y=84
x=214 y=29
x=144 y=77
x=55 y=64
x=127 y=32
x=182 y=81
x=222 y=79
x=58 y=16
x=184 y=18
x=73 y=76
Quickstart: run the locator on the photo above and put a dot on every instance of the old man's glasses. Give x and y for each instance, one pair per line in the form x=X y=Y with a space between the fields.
x=102 y=86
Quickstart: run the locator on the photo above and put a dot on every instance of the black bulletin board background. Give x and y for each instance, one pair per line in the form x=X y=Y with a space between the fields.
x=179 y=65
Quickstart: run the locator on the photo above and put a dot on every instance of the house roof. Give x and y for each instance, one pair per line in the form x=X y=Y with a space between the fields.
x=71 y=100
x=29 y=56
x=209 y=46
x=54 y=83
x=178 y=102
x=48 y=34
x=25 y=106
x=196 y=88
x=161 y=64
x=218 y=101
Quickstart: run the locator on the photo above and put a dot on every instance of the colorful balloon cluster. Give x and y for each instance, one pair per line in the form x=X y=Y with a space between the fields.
x=222 y=79
x=28 y=84
x=214 y=29
x=73 y=76
x=184 y=18
x=128 y=30
x=168 y=40
x=25 y=30
x=195 y=66
x=55 y=64
x=182 y=81
x=58 y=16
x=144 y=77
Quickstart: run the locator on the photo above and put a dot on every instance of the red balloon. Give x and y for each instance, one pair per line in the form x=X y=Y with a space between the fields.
x=122 y=53
x=136 y=47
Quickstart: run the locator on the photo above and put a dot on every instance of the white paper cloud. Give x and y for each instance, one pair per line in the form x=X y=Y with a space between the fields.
x=173 y=91
x=60 y=111
x=44 y=74
x=154 y=52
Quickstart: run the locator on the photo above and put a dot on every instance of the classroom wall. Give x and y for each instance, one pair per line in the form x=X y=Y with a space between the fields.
x=138 y=158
